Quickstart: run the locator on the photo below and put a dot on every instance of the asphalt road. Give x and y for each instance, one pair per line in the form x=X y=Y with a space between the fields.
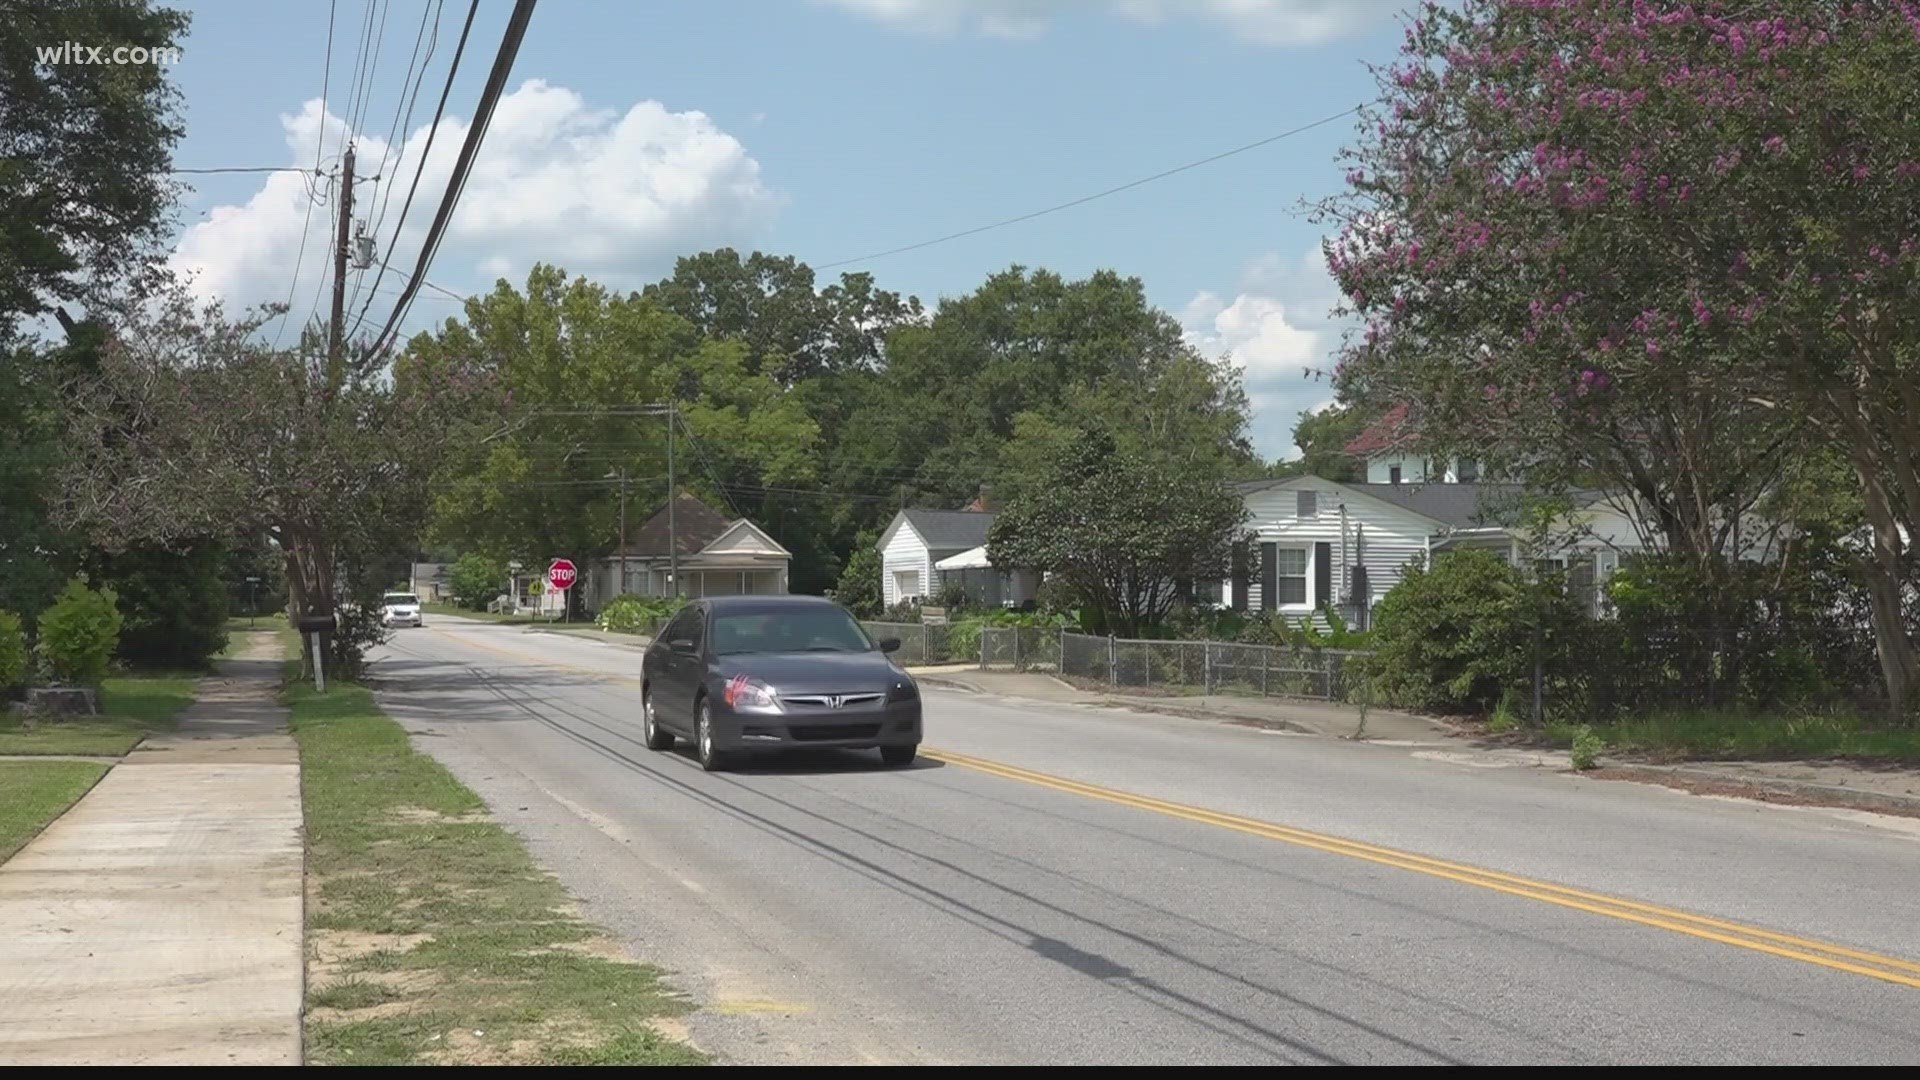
x=1079 y=886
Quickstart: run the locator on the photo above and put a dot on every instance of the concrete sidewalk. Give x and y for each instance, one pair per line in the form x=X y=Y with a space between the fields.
x=1287 y=714
x=159 y=922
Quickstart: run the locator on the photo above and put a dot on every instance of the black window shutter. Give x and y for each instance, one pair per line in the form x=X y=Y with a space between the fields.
x=1322 y=574
x=1269 y=577
x=1240 y=575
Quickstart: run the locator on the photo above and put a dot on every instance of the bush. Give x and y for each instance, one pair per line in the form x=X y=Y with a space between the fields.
x=1586 y=747
x=79 y=633
x=906 y=611
x=859 y=585
x=173 y=605
x=1455 y=636
x=475 y=580
x=13 y=653
x=636 y=614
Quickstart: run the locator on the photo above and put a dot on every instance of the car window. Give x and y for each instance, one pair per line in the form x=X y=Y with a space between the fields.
x=809 y=629
x=686 y=624
x=402 y=598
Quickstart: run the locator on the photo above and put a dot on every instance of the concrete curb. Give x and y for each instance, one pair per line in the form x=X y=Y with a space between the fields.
x=1811 y=792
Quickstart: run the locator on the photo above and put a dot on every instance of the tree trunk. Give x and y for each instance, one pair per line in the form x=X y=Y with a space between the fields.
x=1883 y=573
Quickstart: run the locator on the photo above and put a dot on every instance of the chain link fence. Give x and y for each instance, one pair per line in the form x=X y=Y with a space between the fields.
x=920 y=643
x=1213 y=667
x=1022 y=648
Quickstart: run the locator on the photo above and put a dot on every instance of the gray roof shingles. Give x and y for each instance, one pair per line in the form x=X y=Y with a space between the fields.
x=957 y=529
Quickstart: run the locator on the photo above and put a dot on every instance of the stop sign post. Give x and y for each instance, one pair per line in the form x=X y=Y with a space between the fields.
x=560 y=577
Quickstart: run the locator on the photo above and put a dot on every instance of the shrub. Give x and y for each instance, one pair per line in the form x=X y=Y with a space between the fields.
x=906 y=611
x=13 y=653
x=79 y=633
x=1586 y=747
x=173 y=605
x=475 y=580
x=859 y=585
x=1453 y=637
x=636 y=614
x=951 y=595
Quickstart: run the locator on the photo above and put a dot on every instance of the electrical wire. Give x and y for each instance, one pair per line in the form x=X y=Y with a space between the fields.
x=1085 y=199
x=463 y=167
x=419 y=168
x=319 y=143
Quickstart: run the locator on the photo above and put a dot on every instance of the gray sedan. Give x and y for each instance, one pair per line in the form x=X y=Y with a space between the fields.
x=745 y=674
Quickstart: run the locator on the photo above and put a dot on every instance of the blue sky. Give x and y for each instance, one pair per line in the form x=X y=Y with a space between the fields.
x=825 y=129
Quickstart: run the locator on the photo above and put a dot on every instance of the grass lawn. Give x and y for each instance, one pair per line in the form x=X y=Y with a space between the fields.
x=1729 y=735
x=38 y=792
x=487 y=616
x=433 y=936
x=132 y=705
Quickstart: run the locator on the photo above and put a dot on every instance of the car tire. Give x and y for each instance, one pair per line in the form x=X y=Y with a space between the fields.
x=710 y=758
x=657 y=737
x=899 y=757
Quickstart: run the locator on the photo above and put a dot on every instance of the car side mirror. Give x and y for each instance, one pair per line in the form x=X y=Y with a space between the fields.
x=891 y=644
x=683 y=646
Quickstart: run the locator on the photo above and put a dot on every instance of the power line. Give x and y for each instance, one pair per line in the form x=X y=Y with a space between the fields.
x=674 y=417
x=459 y=49
x=463 y=168
x=1084 y=199
x=398 y=131
x=246 y=169
x=319 y=143
x=387 y=148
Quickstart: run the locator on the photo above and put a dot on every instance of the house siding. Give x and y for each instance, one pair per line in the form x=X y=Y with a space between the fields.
x=1393 y=540
x=904 y=551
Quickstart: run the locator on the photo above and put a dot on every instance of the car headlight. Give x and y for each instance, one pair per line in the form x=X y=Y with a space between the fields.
x=745 y=693
x=904 y=690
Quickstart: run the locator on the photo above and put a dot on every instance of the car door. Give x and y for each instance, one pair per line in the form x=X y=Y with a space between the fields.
x=680 y=671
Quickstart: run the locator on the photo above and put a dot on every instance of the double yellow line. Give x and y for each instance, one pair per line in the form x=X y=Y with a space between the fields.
x=1821 y=954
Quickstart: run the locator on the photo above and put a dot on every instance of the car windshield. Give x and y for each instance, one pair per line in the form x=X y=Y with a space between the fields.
x=805 y=629
x=399 y=598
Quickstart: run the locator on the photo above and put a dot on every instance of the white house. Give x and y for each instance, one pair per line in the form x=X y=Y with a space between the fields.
x=917 y=541
x=718 y=556
x=1314 y=543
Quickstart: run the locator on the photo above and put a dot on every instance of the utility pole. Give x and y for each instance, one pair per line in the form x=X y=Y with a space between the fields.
x=673 y=496
x=336 y=328
x=621 y=589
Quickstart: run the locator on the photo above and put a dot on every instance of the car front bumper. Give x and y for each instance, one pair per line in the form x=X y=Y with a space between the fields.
x=891 y=724
x=403 y=620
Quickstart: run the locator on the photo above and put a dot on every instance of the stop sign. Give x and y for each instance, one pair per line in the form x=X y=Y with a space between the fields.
x=560 y=575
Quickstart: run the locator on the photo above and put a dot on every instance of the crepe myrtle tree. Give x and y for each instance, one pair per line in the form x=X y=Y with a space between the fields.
x=1121 y=524
x=1654 y=245
x=190 y=426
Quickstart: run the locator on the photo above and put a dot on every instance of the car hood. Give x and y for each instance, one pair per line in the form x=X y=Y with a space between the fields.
x=821 y=672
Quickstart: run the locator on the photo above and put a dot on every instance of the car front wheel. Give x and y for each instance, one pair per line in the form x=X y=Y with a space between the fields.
x=898 y=757
x=657 y=738
x=709 y=756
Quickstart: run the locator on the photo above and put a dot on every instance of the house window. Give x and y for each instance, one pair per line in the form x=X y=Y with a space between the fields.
x=906 y=584
x=1306 y=504
x=1393 y=474
x=1469 y=470
x=1290 y=576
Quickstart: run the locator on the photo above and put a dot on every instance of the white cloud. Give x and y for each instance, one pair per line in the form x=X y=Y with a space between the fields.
x=1258 y=22
x=614 y=195
x=1278 y=326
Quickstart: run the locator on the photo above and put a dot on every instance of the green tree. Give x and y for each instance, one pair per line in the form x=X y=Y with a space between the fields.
x=537 y=474
x=190 y=427
x=173 y=604
x=84 y=153
x=859 y=586
x=79 y=633
x=1122 y=523
x=13 y=653
x=476 y=580
x=1322 y=438
x=1663 y=246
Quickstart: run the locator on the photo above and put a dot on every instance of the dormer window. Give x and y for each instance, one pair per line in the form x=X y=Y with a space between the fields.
x=1306 y=504
x=1393 y=474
